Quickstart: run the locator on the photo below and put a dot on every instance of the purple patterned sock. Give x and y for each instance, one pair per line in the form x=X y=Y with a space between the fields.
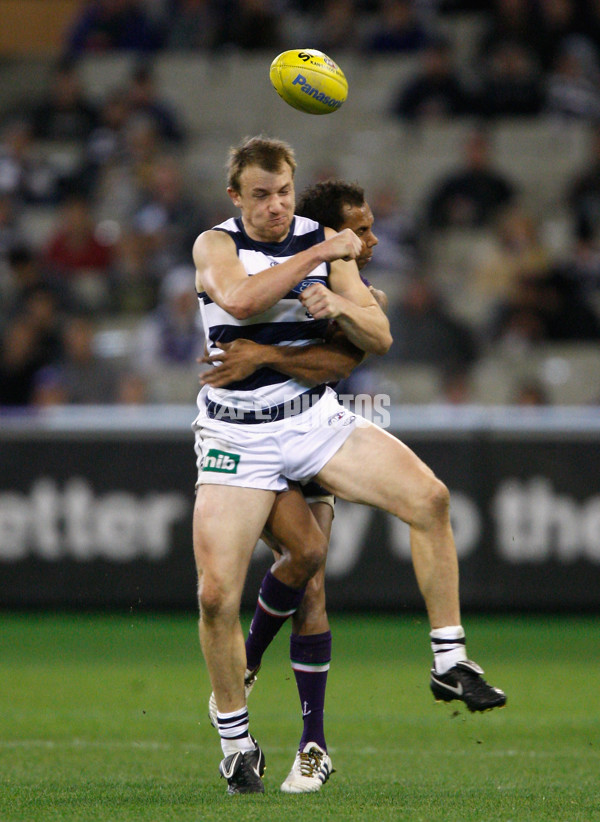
x=310 y=657
x=276 y=602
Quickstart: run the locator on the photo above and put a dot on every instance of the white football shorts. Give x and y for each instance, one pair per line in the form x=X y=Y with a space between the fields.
x=266 y=454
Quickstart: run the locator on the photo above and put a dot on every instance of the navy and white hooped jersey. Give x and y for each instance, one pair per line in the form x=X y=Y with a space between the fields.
x=285 y=323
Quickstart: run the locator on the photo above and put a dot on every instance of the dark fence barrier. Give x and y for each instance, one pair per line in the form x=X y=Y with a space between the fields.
x=96 y=510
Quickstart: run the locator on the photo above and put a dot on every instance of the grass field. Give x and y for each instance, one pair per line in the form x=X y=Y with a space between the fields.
x=104 y=718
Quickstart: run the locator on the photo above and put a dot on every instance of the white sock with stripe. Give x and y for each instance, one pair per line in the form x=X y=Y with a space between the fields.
x=233 y=730
x=448 y=646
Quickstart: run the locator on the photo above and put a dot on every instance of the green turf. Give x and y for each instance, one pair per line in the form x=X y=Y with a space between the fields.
x=104 y=718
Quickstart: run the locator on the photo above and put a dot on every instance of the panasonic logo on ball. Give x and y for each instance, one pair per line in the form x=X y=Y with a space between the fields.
x=311 y=91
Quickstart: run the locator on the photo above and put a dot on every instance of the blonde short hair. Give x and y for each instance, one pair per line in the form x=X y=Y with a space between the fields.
x=265 y=152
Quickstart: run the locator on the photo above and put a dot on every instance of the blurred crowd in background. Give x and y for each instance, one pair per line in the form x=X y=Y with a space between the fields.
x=119 y=252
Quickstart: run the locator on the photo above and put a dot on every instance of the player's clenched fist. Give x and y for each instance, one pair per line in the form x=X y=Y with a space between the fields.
x=345 y=245
x=320 y=302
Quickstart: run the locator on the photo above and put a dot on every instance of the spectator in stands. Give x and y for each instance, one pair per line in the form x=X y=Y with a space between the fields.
x=106 y=144
x=582 y=266
x=250 y=25
x=143 y=98
x=169 y=219
x=398 y=249
x=51 y=389
x=583 y=192
x=171 y=334
x=79 y=256
x=124 y=181
x=336 y=27
x=587 y=21
x=573 y=88
x=170 y=340
x=531 y=393
x=456 y=388
x=555 y=21
x=133 y=389
x=194 y=25
x=66 y=113
x=518 y=322
x=425 y=331
x=24 y=275
x=86 y=377
x=474 y=194
x=568 y=315
x=42 y=306
x=401 y=30
x=24 y=175
x=10 y=234
x=540 y=27
x=515 y=250
x=48 y=389
x=507 y=21
x=549 y=309
x=19 y=361
x=112 y=25
x=136 y=289
x=511 y=83
x=17 y=259
x=31 y=341
x=436 y=92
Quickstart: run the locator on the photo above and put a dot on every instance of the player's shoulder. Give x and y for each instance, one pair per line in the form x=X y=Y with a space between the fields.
x=230 y=226
x=215 y=237
x=304 y=225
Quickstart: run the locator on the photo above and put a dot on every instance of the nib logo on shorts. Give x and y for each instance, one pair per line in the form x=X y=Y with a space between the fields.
x=220 y=461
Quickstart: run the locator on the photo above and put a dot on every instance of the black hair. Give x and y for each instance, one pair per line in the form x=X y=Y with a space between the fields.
x=325 y=201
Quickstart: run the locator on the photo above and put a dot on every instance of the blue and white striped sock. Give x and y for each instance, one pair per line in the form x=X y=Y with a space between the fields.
x=233 y=730
x=448 y=646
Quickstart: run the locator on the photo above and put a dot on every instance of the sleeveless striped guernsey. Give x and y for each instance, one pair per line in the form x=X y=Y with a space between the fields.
x=285 y=323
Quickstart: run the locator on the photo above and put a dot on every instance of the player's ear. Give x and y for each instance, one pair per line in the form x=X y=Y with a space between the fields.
x=235 y=196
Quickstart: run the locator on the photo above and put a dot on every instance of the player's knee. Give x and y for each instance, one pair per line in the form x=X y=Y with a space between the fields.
x=307 y=562
x=432 y=503
x=315 y=554
x=212 y=598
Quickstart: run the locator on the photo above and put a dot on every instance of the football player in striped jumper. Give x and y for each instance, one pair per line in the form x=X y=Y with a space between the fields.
x=272 y=277
x=337 y=204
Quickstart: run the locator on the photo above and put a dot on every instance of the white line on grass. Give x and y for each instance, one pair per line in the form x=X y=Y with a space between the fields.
x=153 y=745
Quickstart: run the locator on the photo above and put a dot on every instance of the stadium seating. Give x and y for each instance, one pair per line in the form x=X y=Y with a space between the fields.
x=224 y=97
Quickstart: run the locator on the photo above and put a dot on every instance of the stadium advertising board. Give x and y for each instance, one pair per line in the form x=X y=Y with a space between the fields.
x=94 y=518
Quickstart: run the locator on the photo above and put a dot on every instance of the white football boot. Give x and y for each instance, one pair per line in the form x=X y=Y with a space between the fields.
x=311 y=769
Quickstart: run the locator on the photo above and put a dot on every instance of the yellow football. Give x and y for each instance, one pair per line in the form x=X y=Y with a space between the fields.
x=309 y=80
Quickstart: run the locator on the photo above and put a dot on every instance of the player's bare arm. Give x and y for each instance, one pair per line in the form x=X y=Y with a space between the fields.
x=310 y=364
x=352 y=306
x=314 y=364
x=220 y=273
x=380 y=297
